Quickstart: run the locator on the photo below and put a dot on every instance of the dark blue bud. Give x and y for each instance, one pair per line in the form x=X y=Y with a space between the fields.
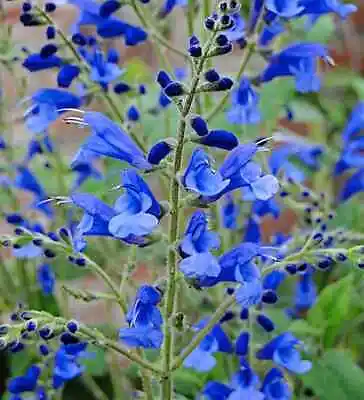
x=341 y=257
x=81 y=262
x=194 y=41
x=46 y=333
x=26 y=316
x=210 y=23
x=269 y=297
x=228 y=316
x=113 y=56
x=51 y=32
x=109 y=7
x=317 y=237
x=174 y=89
x=37 y=242
x=361 y=264
x=302 y=267
x=265 y=322
x=48 y=50
x=195 y=51
x=19 y=231
x=305 y=194
x=225 y=84
x=72 y=326
x=242 y=344
x=230 y=291
x=14 y=219
x=67 y=74
x=31 y=326
x=199 y=125
x=220 y=139
x=14 y=317
x=325 y=263
x=291 y=269
x=226 y=22
x=330 y=216
x=71 y=259
x=28 y=20
x=121 y=88
x=50 y=7
x=68 y=338
x=63 y=233
x=49 y=253
x=244 y=314
x=222 y=40
x=4 y=329
x=158 y=152
x=163 y=79
x=5 y=243
x=142 y=89
x=212 y=76
x=53 y=236
x=91 y=41
x=16 y=347
x=79 y=39
x=26 y=7
x=223 y=6
x=17 y=246
x=133 y=114
x=283 y=194
x=43 y=350
x=323 y=228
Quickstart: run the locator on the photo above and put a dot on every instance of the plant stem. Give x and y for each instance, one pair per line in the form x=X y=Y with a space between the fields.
x=174 y=198
x=93 y=387
x=203 y=332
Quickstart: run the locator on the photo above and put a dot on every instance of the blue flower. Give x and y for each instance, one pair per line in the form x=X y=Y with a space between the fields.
x=67 y=74
x=255 y=11
x=353 y=186
x=351 y=156
x=195 y=249
x=102 y=70
x=37 y=145
x=137 y=211
x=237 y=265
x=270 y=32
x=237 y=32
x=25 y=383
x=45 y=104
x=320 y=7
x=275 y=387
x=308 y=154
x=35 y=62
x=27 y=181
x=230 y=212
x=216 y=391
x=108 y=139
x=144 y=319
x=84 y=171
x=202 y=358
x=250 y=293
x=252 y=231
x=355 y=123
x=300 y=61
x=66 y=363
x=169 y=5
x=283 y=351
x=46 y=278
x=284 y=8
x=113 y=27
x=245 y=105
x=201 y=178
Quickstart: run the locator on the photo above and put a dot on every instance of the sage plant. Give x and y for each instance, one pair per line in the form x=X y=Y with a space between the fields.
x=178 y=173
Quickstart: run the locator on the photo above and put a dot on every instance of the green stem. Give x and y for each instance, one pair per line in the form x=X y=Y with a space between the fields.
x=93 y=387
x=203 y=332
x=174 y=198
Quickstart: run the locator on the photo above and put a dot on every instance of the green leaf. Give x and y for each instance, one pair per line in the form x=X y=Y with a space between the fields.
x=332 y=308
x=273 y=96
x=95 y=363
x=336 y=377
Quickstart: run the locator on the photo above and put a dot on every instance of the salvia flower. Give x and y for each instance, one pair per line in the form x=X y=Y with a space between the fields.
x=305 y=293
x=202 y=358
x=230 y=212
x=245 y=105
x=353 y=186
x=110 y=140
x=35 y=62
x=169 y=5
x=284 y=8
x=283 y=351
x=198 y=262
x=275 y=387
x=321 y=7
x=300 y=61
x=46 y=278
x=45 y=104
x=144 y=319
x=137 y=210
x=26 y=382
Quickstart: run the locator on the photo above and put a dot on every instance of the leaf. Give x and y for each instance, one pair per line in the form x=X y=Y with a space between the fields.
x=273 y=96
x=95 y=361
x=336 y=377
x=332 y=309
